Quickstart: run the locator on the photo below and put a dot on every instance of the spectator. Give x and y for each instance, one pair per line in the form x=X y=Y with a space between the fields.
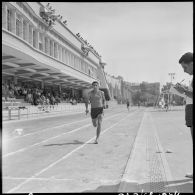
x=186 y=62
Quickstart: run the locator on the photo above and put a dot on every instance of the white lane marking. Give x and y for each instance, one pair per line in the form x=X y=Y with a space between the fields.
x=74 y=130
x=64 y=157
x=65 y=124
x=37 y=178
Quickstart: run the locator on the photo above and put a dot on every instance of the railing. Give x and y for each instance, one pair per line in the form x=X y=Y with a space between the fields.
x=18 y=111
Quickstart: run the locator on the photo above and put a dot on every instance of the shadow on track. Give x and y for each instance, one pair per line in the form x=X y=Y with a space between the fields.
x=69 y=143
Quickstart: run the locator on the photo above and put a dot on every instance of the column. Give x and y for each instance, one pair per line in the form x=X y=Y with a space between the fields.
x=30 y=34
x=48 y=46
x=13 y=21
x=21 y=28
x=27 y=31
x=15 y=80
x=43 y=41
x=36 y=38
x=53 y=48
x=4 y=15
x=57 y=51
x=60 y=88
x=42 y=85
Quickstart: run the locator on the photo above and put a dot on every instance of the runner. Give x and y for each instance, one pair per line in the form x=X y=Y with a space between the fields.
x=128 y=105
x=97 y=100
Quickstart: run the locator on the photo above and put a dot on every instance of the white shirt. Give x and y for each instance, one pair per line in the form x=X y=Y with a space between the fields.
x=188 y=99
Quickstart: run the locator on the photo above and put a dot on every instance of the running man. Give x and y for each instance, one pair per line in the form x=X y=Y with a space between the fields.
x=128 y=105
x=97 y=100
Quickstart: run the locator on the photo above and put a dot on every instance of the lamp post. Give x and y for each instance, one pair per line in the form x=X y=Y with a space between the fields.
x=171 y=74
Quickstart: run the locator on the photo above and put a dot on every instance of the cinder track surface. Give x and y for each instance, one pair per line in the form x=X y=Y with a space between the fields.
x=54 y=154
x=57 y=154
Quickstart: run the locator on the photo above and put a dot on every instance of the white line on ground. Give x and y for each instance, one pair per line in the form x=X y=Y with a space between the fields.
x=64 y=157
x=74 y=130
x=37 y=178
x=65 y=124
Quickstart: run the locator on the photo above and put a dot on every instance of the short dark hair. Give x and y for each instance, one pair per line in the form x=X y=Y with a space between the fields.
x=95 y=82
x=186 y=58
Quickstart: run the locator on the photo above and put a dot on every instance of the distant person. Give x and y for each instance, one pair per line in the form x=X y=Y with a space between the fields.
x=186 y=62
x=138 y=104
x=166 y=105
x=128 y=105
x=97 y=100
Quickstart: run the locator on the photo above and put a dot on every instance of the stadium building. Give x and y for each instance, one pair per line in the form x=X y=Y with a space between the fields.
x=38 y=48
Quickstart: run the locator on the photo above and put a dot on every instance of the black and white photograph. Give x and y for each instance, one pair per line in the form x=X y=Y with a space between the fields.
x=97 y=97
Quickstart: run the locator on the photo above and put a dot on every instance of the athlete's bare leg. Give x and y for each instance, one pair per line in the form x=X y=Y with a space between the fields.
x=94 y=121
x=99 y=125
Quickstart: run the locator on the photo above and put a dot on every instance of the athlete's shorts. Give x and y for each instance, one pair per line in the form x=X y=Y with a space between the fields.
x=189 y=115
x=96 y=111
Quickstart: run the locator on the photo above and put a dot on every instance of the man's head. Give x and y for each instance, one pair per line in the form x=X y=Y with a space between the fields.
x=186 y=62
x=95 y=85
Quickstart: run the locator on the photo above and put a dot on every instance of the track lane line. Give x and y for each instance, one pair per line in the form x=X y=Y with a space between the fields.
x=46 y=129
x=74 y=130
x=66 y=156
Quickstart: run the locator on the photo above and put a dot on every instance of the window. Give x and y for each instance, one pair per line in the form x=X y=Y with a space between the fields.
x=46 y=45
x=79 y=64
x=60 y=53
x=86 y=68
x=75 y=62
x=24 y=30
x=41 y=41
x=34 y=38
x=63 y=55
x=51 y=48
x=9 y=20
x=72 y=60
x=68 y=58
x=55 y=50
x=18 y=26
x=82 y=66
x=30 y=34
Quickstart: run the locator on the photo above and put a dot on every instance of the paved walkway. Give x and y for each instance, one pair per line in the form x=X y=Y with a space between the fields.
x=161 y=156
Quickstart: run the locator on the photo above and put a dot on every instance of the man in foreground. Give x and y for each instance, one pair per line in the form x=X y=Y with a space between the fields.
x=186 y=62
x=97 y=100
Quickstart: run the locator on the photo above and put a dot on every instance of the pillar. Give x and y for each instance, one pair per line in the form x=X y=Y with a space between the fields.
x=42 y=85
x=4 y=15
x=13 y=21
x=15 y=80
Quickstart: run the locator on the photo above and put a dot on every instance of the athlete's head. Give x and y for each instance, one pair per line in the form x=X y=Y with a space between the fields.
x=95 y=85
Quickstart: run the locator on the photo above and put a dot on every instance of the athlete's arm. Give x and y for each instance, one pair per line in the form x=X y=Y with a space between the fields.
x=103 y=100
x=87 y=102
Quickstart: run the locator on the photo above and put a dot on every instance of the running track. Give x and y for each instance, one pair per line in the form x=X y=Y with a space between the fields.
x=57 y=154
